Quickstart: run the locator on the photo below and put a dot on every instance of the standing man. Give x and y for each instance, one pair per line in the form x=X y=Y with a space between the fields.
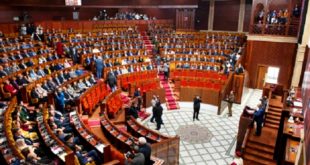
x=99 y=67
x=158 y=115
x=259 y=119
x=137 y=159
x=146 y=150
x=197 y=102
x=230 y=99
x=166 y=71
x=153 y=102
x=60 y=100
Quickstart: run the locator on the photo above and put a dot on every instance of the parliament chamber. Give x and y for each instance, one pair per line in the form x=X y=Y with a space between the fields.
x=123 y=82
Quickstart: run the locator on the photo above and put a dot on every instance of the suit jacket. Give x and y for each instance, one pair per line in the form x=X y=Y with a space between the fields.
x=34 y=94
x=146 y=151
x=22 y=66
x=21 y=81
x=46 y=87
x=51 y=85
x=61 y=78
x=41 y=73
x=259 y=116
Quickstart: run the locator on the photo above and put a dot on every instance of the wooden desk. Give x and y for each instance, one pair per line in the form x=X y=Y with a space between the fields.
x=291 y=151
x=292 y=129
x=139 y=130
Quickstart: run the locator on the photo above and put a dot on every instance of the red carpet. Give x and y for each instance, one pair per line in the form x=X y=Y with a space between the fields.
x=143 y=115
x=147 y=42
x=94 y=123
x=170 y=100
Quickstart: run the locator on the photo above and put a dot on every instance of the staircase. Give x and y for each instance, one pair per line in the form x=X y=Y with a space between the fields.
x=147 y=42
x=259 y=150
x=273 y=115
x=170 y=99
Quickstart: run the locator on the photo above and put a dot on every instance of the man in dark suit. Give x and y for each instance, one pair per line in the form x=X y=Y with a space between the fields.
x=45 y=86
x=60 y=100
x=259 y=119
x=99 y=67
x=158 y=115
x=21 y=80
x=197 y=102
x=51 y=84
x=2 y=72
x=146 y=150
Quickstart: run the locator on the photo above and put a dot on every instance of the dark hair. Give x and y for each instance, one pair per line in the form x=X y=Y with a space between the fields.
x=25 y=151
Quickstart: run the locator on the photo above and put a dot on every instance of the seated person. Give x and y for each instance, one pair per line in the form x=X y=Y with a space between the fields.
x=46 y=86
x=39 y=93
x=33 y=75
x=61 y=77
x=72 y=73
x=86 y=82
x=51 y=84
x=21 y=80
x=81 y=86
x=33 y=157
x=40 y=72
x=8 y=87
x=67 y=75
x=47 y=70
x=72 y=91
x=85 y=157
x=92 y=79
x=133 y=111
x=68 y=98
x=79 y=72
x=56 y=80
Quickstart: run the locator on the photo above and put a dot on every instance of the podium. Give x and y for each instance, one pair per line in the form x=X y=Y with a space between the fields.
x=244 y=123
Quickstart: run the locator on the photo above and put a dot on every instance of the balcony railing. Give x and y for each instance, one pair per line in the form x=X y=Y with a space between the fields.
x=274 y=29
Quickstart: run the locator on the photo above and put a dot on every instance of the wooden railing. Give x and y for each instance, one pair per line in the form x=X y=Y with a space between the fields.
x=85 y=26
x=57 y=147
x=8 y=132
x=274 y=29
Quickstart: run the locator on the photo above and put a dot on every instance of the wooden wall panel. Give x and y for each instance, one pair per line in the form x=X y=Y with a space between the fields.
x=226 y=14
x=158 y=13
x=306 y=105
x=202 y=15
x=108 y=2
x=247 y=15
x=275 y=54
x=304 y=65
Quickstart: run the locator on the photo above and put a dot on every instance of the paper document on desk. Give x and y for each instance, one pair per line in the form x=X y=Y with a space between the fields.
x=100 y=147
x=297 y=104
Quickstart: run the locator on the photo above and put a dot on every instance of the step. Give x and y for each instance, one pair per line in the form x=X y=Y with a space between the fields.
x=259 y=147
x=259 y=154
x=273 y=126
x=257 y=160
x=276 y=106
x=274 y=113
x=273 y=117
x=275 y=109
x=275 y=122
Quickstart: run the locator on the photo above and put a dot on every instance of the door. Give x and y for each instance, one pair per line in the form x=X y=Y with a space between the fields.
x=261 y=74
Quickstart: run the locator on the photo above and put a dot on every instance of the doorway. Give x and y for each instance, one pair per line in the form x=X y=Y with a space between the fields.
x=261 y=74
x=266 y=74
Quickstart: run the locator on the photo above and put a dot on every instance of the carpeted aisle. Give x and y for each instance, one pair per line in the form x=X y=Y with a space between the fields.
x=170 y=100
x=147 y=42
